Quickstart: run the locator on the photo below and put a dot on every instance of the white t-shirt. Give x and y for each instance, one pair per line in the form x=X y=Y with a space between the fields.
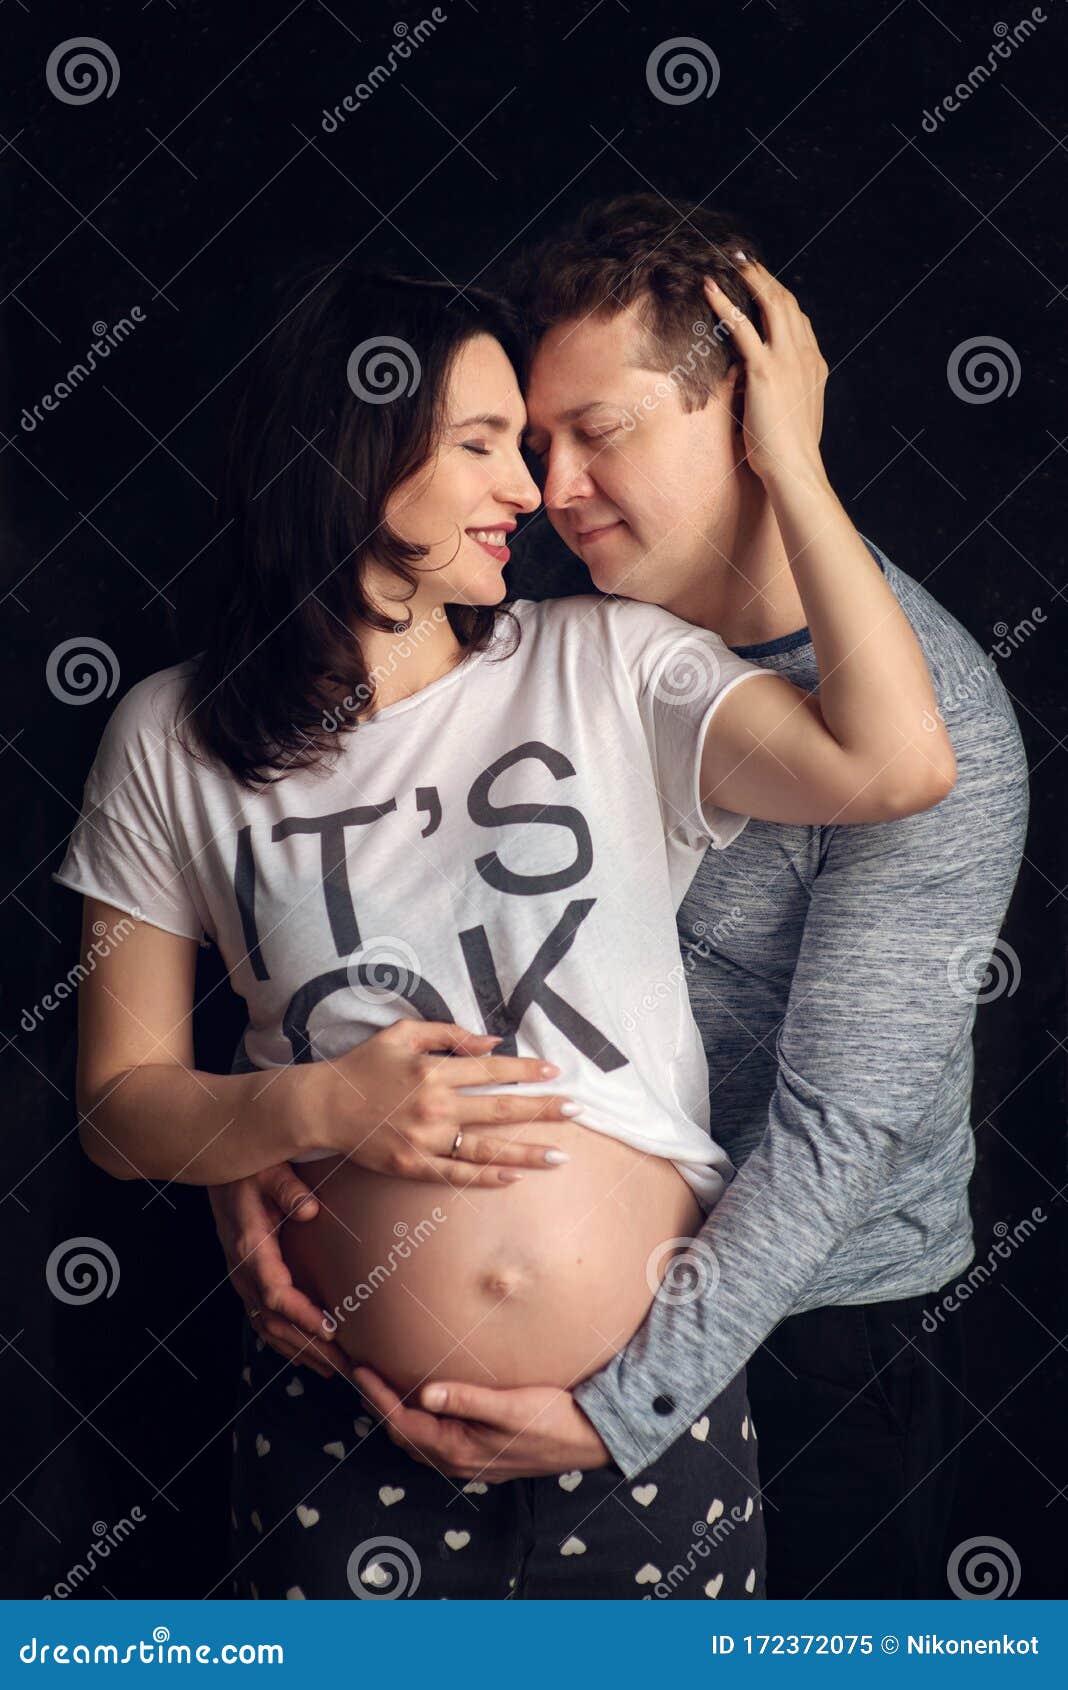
x=506 y=848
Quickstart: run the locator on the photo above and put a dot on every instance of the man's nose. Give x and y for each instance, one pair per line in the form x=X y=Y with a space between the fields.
x=565 y=482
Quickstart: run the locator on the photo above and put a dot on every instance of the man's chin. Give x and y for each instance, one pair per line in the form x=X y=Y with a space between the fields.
x=621 y=572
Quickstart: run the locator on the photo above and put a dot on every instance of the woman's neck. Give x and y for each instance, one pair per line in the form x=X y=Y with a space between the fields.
x=419 y=649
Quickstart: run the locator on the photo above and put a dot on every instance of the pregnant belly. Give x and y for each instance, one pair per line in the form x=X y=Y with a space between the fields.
x=539 y=1282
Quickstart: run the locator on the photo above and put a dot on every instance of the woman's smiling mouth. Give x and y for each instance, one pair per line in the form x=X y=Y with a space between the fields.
x=493 y=540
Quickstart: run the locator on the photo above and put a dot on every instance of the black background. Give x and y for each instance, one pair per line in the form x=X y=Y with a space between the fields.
x=183 y=192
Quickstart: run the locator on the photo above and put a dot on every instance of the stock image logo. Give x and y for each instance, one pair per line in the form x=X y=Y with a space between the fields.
x=692 y=1271
x=382 y=1569
x=81 y=1270
x=81 y=70
x=382 y=369
x=983 y=1569
x=973 y=969
x=682 y=70
x=982 y=369
x=81 y=670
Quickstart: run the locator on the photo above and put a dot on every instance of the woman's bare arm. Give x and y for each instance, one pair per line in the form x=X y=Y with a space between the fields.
x=872 y=746
x=392 y=1104
x=146 y=1111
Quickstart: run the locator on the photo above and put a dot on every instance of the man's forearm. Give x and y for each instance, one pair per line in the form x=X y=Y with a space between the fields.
x=165 y=1122
x=688 y=1351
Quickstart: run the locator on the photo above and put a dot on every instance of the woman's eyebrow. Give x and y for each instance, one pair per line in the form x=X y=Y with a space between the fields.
x=486 y=419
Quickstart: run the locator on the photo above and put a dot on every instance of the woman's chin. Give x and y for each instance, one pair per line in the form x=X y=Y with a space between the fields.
x=485 y=588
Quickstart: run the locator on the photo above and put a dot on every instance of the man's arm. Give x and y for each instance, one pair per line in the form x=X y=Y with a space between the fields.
x=878 y=1004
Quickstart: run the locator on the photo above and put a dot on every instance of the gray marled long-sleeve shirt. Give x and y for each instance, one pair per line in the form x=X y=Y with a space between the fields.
x=834 y=974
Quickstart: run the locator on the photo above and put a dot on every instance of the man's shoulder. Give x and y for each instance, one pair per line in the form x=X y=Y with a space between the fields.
x=965 y=677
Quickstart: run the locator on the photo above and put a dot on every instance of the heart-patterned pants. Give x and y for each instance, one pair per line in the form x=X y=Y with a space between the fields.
x=324 y=1505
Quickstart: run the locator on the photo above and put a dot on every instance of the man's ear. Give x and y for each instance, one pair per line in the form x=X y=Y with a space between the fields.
x=732 y=393
x=737 y=372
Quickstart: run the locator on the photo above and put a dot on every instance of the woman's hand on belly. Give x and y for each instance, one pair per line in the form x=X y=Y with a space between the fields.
x=393 y=1105
x=477 y=1432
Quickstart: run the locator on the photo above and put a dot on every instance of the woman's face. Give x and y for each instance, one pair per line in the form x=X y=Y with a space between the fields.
x=463 y=505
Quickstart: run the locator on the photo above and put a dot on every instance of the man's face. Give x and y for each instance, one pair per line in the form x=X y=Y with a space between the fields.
x=643 y=491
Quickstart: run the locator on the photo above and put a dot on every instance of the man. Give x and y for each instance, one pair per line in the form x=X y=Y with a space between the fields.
x=833 y=972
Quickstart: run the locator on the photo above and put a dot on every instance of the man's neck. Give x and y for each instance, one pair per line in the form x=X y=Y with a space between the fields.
x=744 y=589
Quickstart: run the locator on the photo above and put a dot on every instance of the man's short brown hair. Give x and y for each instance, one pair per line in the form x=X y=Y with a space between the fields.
x=638 y=250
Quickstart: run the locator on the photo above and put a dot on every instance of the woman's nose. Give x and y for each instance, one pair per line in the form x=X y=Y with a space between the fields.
x=523 y=491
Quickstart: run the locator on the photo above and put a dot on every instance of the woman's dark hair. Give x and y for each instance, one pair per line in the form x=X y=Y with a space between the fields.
x=344 y=399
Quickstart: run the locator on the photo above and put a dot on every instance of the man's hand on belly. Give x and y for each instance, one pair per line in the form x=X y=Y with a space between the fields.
x=476 y=1432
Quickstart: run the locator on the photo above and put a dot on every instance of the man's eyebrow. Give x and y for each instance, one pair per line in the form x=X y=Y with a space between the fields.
x=573 y=414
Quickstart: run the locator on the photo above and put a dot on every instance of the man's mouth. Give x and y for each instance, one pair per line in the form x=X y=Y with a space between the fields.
x=590 y=536
x=494 y=540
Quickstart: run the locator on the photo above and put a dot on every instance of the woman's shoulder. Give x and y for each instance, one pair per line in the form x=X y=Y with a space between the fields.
x=147 y=717
x=557 y=612
x=620 y=633
x=586 y=614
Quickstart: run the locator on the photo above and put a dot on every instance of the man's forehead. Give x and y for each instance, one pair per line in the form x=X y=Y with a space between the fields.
x=580 y=363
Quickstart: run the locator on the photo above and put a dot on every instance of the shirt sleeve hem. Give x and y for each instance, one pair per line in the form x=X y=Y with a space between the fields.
x=722 y=826
x=90 y=888
x=601 y=1409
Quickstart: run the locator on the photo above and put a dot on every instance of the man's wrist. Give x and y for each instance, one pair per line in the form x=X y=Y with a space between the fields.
x=604 y=1415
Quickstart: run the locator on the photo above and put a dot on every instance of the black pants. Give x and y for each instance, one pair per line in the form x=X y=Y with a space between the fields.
x=859 y=1409
x=324 y=1505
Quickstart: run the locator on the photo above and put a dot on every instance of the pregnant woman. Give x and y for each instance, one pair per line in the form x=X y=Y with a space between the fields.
x=440 y=844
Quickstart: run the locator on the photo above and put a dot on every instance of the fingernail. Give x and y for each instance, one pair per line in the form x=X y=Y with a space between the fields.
x=570 y=1108
x=548 y=1069
x=556 y=1156
x=434 y=1396
x=740 y=256
x=493 y=1038
x=510 y=1175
